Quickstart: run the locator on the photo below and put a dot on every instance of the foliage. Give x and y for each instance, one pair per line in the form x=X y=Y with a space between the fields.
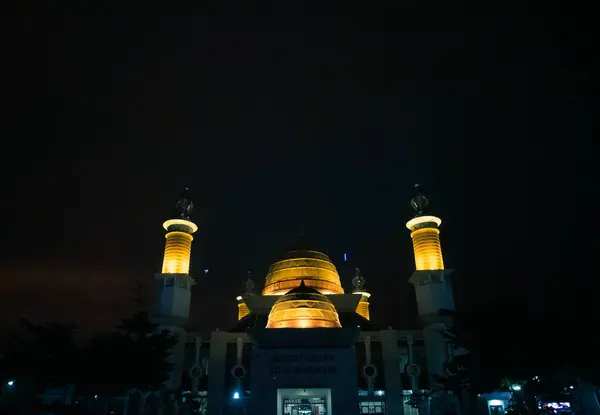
x=45 y=352
x=133 y=357
x=416 y=399
x=504 y=349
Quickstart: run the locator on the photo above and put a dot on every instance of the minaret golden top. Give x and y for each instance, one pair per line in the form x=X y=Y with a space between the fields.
x=178 y=246
x=420 y=203
x=425 y=234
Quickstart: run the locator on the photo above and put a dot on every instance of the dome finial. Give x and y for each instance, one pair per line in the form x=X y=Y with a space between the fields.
x=184 y=205
x=249 y=284
x=358 y=282
x=420 y=202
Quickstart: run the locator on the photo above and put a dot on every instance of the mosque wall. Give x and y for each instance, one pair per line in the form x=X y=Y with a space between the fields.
x=275 y=371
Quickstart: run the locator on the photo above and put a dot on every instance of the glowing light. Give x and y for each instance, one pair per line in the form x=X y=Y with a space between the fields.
x=420 y=220
x=181 y=223
x=379 y=393
x=177 y=253
x=239 y=298
x=243 y=310
x=362 y=309
x=516 y=387
x=427 y=249
x=206 y=270
x=236 y=395
x=495 y=402
x=571 y=387
x=10 y=382
x=303 y=307
x=363 y=293
x=345 y=257
x=315 y=268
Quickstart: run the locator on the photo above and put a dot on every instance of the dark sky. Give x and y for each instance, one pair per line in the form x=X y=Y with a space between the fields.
x=283 y=121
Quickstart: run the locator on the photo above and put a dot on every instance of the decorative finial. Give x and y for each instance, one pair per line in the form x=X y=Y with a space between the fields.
x=420 y=202
x=249 y=284
x=184 y=205
x=358 y=282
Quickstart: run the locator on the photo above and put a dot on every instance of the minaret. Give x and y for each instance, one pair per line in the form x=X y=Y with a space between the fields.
x=174 y=283
x=432 y=287
x=430 y=279
x=358 y=287
x=243 y=309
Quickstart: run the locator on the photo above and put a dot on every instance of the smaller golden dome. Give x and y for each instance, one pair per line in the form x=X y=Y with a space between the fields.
x=303 y=307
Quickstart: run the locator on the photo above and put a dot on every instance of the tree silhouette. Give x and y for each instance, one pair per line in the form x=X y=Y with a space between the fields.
x=528 y=349
x=37 y=357
x=45 y=352
x=134 y=357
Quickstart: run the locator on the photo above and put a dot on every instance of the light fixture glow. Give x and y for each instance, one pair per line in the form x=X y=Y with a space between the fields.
x=427 y=249
x=419 y=220
x=516 y=387
x=236 y=395
x=182 y=223
x=495 y=402
x=177 y=253
x=10 y=382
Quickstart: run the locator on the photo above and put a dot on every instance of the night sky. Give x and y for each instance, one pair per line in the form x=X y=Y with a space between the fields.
x=288 y=121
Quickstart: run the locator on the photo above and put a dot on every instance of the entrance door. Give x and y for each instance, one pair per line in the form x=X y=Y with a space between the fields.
x=496 y=410
x=304 y=402
x=305 y=406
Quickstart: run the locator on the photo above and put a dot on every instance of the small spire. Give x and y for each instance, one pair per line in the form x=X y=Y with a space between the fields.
x=249 y=285
x=184 y=205
x=138 y=297
x=358 y=282
x=300 y=244
x=420 y=202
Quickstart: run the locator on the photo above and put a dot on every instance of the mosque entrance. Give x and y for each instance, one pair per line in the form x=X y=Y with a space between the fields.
x=305 y=406
x=304 y=402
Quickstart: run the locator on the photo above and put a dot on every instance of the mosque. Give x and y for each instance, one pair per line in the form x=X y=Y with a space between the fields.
x=302 y=345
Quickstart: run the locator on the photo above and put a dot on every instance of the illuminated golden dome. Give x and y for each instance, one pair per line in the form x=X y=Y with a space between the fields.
x=303 y=307
x=312 y=267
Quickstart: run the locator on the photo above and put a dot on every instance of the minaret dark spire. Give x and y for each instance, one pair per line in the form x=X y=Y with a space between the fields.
x=358 y=282
x=184 y=205
x=420 y=202
x=138 y=300
x=301 y=244
x=249 y=285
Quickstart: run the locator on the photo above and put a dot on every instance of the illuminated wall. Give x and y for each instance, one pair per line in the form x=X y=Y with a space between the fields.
x=312 y=267
x=243 y=310
x=178 y=247
x=426 y=242
x=302 y=308
x=303 y=314
x=363 y=308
